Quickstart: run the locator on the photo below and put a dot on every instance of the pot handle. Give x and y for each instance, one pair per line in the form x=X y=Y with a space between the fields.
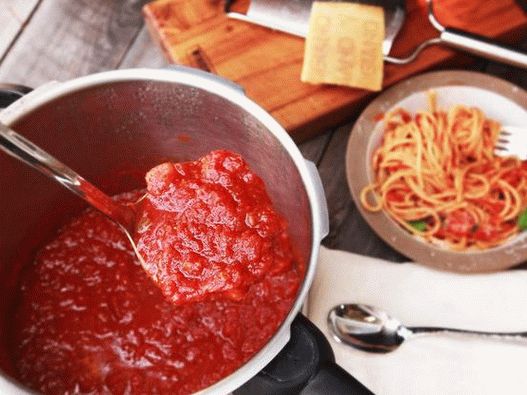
x=9 y=93
x=305 y=366
x=322 y=206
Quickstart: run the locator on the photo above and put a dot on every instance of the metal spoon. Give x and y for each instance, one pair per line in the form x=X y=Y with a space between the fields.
x=370 y=329
x=24 y=150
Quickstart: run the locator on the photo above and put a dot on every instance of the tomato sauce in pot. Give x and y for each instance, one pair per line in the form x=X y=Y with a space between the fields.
x=90 y=320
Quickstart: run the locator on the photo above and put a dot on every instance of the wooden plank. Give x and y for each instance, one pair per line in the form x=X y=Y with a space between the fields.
x=66 y=39
x=13 y=18
x=511 y=74
x=143 y=53
x=348 y=231
x=314 y=149
x=267 y=63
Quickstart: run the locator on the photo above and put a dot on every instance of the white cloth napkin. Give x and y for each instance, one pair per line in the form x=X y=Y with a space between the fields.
x=416 y=295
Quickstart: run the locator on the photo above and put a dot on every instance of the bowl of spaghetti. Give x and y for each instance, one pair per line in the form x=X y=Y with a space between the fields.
x=422 y=170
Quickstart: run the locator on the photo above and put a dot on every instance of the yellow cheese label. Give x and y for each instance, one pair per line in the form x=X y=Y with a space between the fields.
x=344 y=45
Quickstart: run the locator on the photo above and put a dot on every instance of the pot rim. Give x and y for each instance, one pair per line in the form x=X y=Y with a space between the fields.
x=233 y=93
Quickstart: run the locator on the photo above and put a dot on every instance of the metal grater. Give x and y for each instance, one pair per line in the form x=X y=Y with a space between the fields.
x=292 y=16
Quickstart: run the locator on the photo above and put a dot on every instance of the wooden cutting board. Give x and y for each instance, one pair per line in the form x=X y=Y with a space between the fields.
x=267 y=63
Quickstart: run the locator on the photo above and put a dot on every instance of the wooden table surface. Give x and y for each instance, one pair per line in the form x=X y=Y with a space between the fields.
x=43 y=40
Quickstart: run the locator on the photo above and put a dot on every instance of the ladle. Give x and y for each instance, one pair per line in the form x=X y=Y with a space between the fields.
x=24 y=150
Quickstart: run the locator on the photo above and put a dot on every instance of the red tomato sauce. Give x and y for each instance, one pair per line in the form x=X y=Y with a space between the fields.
x=89 y=319
x=207 y=229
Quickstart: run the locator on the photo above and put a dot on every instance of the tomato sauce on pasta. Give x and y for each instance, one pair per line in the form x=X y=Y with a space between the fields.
x=436 y=174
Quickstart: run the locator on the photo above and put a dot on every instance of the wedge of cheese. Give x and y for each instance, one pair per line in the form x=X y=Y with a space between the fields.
x=344 y=45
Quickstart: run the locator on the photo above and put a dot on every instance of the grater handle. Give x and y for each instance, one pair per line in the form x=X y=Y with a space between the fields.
x=484 y=47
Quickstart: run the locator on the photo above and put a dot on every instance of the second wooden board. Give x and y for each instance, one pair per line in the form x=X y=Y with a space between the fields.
x=267 y=63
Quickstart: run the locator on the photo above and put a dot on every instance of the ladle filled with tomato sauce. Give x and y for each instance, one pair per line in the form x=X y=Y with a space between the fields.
x=207 y=229
x=89 y=318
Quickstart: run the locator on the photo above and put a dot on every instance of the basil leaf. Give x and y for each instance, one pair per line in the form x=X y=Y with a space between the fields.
x=522 y=220
x=420 y=225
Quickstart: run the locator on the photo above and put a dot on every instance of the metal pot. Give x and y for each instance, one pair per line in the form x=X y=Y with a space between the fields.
x=104 y=124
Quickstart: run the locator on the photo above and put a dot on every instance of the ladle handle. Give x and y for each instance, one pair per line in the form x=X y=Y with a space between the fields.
x=24 y=150
x=508 y=335
x=484 y=47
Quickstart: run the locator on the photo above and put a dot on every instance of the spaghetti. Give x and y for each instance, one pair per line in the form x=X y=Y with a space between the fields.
x=437 y=176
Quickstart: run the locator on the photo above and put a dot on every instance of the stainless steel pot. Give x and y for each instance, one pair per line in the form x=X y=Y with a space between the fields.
x=105 y=124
